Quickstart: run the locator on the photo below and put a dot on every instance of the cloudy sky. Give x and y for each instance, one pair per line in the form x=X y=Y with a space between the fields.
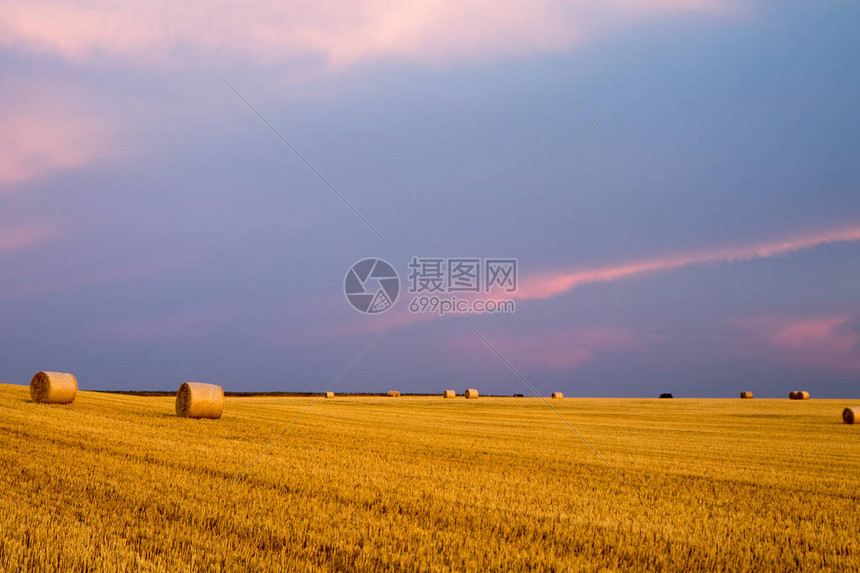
x=702 y=237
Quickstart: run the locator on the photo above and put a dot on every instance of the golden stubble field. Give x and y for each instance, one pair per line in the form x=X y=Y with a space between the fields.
x=118 y=483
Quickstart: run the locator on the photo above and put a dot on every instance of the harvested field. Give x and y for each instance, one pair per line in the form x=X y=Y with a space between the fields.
x=428 y=484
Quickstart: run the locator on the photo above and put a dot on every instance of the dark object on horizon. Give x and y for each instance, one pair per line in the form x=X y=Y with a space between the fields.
x=518 y=395
x=666 y=395
x=746 y=394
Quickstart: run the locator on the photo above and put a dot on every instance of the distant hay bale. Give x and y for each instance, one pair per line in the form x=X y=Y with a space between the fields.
x=471 y=394
x=329 y=394
x=851 y=415
x=746 y=394
x=199 y=400
x=792 y=395
x=449 y=394
x=53 y=388
x=394 y=393
x=666 y=395
x=802 y=396
x=557 y=395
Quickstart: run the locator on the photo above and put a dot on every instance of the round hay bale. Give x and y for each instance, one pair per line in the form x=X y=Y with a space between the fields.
x=557 y=395
x=449 y=394
x=802 y=396
x=746 y=394
x=329 y=394
x=394 y=393
x=792 y=395
x=471 y=394
x=53 y=388
x=199 y=400
x=851 y=415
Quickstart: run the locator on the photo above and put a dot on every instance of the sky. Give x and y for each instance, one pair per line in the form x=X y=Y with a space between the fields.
x=700 y=235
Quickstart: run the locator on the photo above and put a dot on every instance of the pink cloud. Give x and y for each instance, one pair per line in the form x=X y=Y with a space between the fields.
x=554 y=349
x=142 y=269
x=555 y=283
x=395 y=318
x=167 y=326
x=552 y=284
x=18 y=238
x=340 y=33
x=400 y=316
x=41 y=135
x=831 y=341
x=30 y=281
